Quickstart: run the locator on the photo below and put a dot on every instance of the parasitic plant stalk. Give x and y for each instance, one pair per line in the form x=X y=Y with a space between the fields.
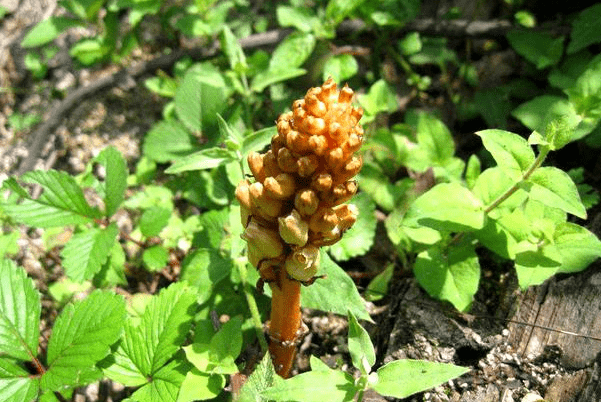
x=296 y=204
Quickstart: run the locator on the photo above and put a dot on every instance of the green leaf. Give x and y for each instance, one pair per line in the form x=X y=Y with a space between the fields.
x=338 y=10
x=362 y=351
x=451 y=275
x=165 y=383
x=537 y=113
x=359 y=238
x=199 y=97
x=336 y=293
x=401 y=378
x=16 y=383
x=155 y=258
x=82 y=336
x=162 y=85
x=380 y=98
x=204 y=159
x=494 y=182
x=115 y=180
x=555 y=188
x=448 y=207
x=198 y=386
x=577 y=246
x=153 y=220
x=410 y=44
x=534 y=264
x=340 y=67
x=301 y=18
x=162 y=329
x=233 y=50
x=314 y=386
x=61 y=203
x=48 y=30
x=375 y=183
x=85 y=253
x=89 y=50
x=509 y=150
x=494 y=106
x=378 y=287
x=262 y=378
x=586 y=29
x=113 y=270
x=267 y=78
x=19 y=313
x=168 y=140
x=8 y=243
x=540 y=48
x=258 y=140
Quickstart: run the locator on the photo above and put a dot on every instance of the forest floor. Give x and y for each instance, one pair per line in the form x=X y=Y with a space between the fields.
x=521 y=346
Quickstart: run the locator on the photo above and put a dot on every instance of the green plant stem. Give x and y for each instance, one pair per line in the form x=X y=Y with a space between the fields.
x=360 y=396
x=252 y=305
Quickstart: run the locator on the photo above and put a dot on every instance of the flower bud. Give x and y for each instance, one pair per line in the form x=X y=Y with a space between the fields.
x=314 y=125
x=255 y=163
x=293 y=229
x=307 y=165
x=297 y=142
x=318 y=144
x=306 y=202
x=243 y=196
x=321 y=182
x=267 y=242
x=335 y=158
x=347 y=216
x=341 y=193
x=261 y=202
x=271 y=164
x=346 y=95
x=280 y=187
x=286 y=161
x=303 y=263
x=324 y=220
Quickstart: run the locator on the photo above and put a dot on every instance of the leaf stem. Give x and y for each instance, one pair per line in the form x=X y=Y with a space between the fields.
x=252 y=305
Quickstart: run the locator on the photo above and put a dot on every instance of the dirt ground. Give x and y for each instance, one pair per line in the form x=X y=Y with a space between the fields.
x=521 y=346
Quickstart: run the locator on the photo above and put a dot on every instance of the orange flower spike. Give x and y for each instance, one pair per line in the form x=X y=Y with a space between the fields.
x=297 y=203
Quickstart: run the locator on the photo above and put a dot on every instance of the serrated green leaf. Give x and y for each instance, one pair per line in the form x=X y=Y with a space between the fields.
x=586 y=29
x=168 y=140
x=229 y=134
x=537 y=113
x=314 y=386
x=204 y=159
x=198 y=386
x=578 y=247
x=204 y=269
x=448 y=207
x=48 y=30
x=336 y=293
x=165 y=384
x=85 y=253
x=64 y=289
x=509 y=150
x=115 y=181
x=401 y=378
x=435 y=142
x=199 y=97
x=153 y=220
x=19 y=313
x=359 y=238
x=82 y=336
x=155 y=258
x=360 y=347
x=540 y=48
x=262 y=378
x=555 y=188
x=16 y=383
x=61 y=203
x=451 y=275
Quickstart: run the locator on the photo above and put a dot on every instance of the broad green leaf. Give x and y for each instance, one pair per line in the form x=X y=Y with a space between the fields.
x=401 y=378
x=115 y=180
x=269 y=77
x=448 y=207
x=378 y=287
x=113 y=270
x=380 y=98
x=162 y=85
x=578 y=247
x=509 y=150
x=61 y=203
x=360 y=237
x=586 y=94
x=338 y=10
x=336 y=293
x=435 y=143
x=534 y=264
x=262 y=378
x=314 y=386
x=340 y=67
x=360 y=346
x=48 y=30
x=168 y=140
x=198 y=386
x=16 y=383
x=19 y=313
x=375 y=183
x=301 y=18
x=155 y=258
x=82 y=335
x=503 y=233
x=292 y=52
x=204 y=159
x=258 y=140
x=85 y=253
x=410 y=44
x=63 y=290
x=494 y=106
x=586 y=29
x=8 y=243
x=162 y=329
x=199 y=97
x=555 y=188
x=450 y=275
x=228 y=134
x=494 y=182
x=540 y=48
x=153 y=220
x=537 y=113
x=165 y=383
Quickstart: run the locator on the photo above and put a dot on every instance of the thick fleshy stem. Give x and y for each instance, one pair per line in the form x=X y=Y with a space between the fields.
x=285 y=324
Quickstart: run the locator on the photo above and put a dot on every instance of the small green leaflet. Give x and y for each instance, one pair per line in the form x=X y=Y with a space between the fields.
x=48 y=30
x=198 y=386
x=61 y=203
x=86 y=252
x=19 y=313
x=204 y=159
x=360 y=347
x=81 y=337
x=577 y=246
x=401 y=378
x=335 y=293
x=115 y=181
x=262 y=378
x=167 y=141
